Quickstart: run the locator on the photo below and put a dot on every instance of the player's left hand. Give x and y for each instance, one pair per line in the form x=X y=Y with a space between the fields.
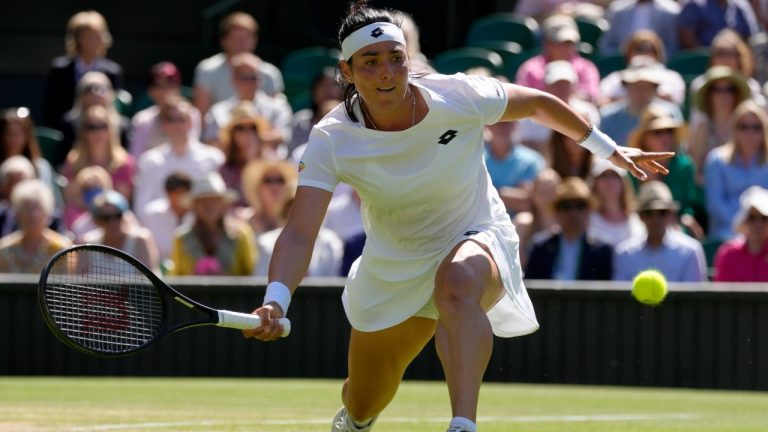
x=638 y=162
x=270 y=329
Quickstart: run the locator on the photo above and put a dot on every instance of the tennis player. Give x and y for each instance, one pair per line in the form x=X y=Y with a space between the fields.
x=441 y=257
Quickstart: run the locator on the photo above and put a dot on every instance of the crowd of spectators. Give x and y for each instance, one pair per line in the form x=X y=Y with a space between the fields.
x=200 y=181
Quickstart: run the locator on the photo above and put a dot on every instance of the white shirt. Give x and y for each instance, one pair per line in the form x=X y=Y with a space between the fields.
x=162 y=222
x=275 y=110
x=215 y=74
x=326 y=255
x=614 y=233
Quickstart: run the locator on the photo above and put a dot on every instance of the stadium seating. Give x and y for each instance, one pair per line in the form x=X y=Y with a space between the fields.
x=690 y=63
x=461 y=59
x=590 y=31
x=50 y=141
x=504 y=27
x=299 y=68
x=609 y=63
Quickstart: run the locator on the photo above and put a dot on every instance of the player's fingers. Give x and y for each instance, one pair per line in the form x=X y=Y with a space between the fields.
x=654 y=166
x=644 y=156
x=267 y=330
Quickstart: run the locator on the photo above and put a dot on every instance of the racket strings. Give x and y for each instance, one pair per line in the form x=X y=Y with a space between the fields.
x=102 y=302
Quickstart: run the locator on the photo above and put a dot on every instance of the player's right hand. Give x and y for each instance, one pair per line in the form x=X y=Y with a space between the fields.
x=270 y=328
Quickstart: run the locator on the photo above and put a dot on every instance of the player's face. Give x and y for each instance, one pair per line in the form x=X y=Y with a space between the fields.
x=380 y=74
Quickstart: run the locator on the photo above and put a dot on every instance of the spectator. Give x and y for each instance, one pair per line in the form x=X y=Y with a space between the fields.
x=29 y=249
x=87 y=41
x=323 y=88
x=700 y=20
x=97 y=144
x=13 y=171
x=560 y=80
x=628 y=17
x=241 y=141
x=723 y=90
x=745 y=258
x=512 y=166
x=94 y=89
x=541 y=219
x=671 y=88
x=613 y=218
x=561 y=36
x=416 y=58
x=88 y=183
x=733 y=167
x=238 y=34
x=343 y=215
x=164 y=215
x=657 y=131
x=568 y=253
x=17 y=137
x=641 y=80
x=146 y=128
x=267 y=186
x=324 y=109
x=181 y=153
x=214 y=243
x=245 y=78
x=116 y=229
x=665 y=248
x=567 y=158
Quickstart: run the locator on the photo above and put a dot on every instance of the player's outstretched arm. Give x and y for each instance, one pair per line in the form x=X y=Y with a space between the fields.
x=291 y=256
x=550 y=111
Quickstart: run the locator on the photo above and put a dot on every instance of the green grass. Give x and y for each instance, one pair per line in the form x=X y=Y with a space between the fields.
x=148 y=404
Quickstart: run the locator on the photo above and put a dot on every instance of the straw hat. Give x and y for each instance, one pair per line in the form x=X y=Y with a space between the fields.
x=561 y=28
x=255 y=171
x=655 y=195
x=716 y=73
x=572 y=189
x=754 y=197
x=212 y=185
x=244 y=113
x=656 y=118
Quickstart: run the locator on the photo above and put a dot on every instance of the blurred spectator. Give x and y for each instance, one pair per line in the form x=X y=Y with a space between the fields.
x=146 y=129
x=560 y=80
x=181 y=153
x=613 y=218
x=418 y=61
x=627 y=17
x=323 y=88
x=13 y=171
x=343 y=215
x=87 y=41
x=568 y=253
x=665 y=248
x=745 y=258
x=97 y=144
x=672 y=87
x=324 y=109
x=641 y=80
x=561 y=36
x=723 y=90
x=109 y=209
x=731 y=168
x=326 y=254
x=241 y=141
x=541 y=218
x=245 y=78
x=213 y=243
x=164 y=215
x=267 y=185
x=512 y=166
x=29 y=249
x=657 y=131
x=238 y=34
x=541 y=9
x=94 y=89
x=88 y=183
x=567 y=158
x=17 y=137
x=700 y=20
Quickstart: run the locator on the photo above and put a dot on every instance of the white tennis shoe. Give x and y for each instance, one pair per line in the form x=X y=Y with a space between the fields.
x=343 y=423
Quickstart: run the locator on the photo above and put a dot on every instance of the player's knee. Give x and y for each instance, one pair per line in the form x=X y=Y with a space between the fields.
x=458 y=289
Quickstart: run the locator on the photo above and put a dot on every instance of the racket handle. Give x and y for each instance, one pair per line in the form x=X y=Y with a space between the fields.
x=243 y=321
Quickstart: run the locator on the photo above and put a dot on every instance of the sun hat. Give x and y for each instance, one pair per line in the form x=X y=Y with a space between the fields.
x=714 y=74
x=244 y=113
x=561 y=28
x=572 y=189
x=211 y=185
x=559 y=70
x=654 y=118
x=642 y=68
x=256 y=169
x=655 y=195
x=754 y=197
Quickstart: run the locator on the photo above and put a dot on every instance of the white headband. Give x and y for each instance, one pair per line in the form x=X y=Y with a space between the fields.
x=370 y=34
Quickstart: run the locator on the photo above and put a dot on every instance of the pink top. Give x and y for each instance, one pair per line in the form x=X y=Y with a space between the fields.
x=122 y=177
x=531 y=74
x=734 y=263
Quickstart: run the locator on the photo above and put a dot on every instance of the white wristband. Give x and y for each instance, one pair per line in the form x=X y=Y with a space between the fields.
x=599 y=143
x=280 y=294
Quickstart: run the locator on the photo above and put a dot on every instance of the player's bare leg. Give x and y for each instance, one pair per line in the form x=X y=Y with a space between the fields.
x=467 y=284
x=377 y=362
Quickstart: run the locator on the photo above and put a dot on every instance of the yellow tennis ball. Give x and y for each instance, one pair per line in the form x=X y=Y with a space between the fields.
x=649 y=287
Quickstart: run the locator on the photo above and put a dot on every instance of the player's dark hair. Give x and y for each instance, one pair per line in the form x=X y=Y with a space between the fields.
x=358 y=16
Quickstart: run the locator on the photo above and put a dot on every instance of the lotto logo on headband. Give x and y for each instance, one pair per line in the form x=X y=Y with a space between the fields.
x=370 y=34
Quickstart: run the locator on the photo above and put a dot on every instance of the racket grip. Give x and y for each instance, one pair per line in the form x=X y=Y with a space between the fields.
x=243 y=321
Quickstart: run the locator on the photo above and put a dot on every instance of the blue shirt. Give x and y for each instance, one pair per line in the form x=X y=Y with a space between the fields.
x=521 y=164
x=708 y=17
x=723 y=184
x=567 y=261
x=680 y=258
x=617 y=122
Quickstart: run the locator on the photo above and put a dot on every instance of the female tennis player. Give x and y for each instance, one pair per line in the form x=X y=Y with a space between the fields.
x=441 y=257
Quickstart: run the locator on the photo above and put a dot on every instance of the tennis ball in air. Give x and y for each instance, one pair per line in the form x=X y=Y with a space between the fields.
x=649 y=287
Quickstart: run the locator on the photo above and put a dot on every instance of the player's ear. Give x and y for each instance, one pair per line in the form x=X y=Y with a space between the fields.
x=346 y=71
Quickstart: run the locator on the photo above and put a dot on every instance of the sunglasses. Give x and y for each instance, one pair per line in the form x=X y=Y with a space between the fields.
x=242 y=128
x=654 y=213
x=273 y=180
x=95 y=89
x=752 y=218
x=570 y=205
x=174 y=119
x=248 y=77
x=660 y=132
x=90 y=127
x=724 y=89
x=107 y=217
x=754 y=127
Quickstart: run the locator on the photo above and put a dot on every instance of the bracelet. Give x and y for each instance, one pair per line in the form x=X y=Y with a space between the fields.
x=586 y=135
x=599 y=143
x=280 y=294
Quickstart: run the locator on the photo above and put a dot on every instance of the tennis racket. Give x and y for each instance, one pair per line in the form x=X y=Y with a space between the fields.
x=103 y=302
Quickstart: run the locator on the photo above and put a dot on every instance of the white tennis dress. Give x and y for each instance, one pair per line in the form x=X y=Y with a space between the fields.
x=423 y=190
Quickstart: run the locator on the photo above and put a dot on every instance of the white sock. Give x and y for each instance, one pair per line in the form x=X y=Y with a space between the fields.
x=360 y=424
x=463 y=422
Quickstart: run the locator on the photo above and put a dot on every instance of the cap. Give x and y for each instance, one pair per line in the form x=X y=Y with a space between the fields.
x=109 y=197
x=560 y=70
x=212 y=185
x=561 y=28
x=643 y=68
x=164 y=73
x=754 y=197
x=655 y=195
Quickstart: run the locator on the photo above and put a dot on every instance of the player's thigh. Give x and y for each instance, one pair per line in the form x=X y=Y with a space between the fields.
x=469 y=273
